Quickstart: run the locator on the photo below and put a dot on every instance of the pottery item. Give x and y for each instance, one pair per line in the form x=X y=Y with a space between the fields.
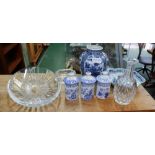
x=71 y=87
x=87 y=86
x=93 y=60
x=103 y=85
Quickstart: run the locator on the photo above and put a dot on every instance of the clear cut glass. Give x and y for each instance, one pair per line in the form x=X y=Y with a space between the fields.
x=33 y=87
x=125 y=87
x=62 y=73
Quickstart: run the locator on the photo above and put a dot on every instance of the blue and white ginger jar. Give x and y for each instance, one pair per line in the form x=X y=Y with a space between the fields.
x=93 y=60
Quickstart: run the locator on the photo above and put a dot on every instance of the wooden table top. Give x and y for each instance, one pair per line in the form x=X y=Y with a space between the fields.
x=142 y=102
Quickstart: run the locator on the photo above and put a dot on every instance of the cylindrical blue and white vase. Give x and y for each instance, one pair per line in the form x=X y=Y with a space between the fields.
x=71 y=88
x=103 y=85
x=87 y=86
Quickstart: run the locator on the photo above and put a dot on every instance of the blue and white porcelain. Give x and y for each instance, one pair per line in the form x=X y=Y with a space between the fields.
x=87 y=86
x=71 y=87
x=114 y=73
x=103 y=85
x=93 y=60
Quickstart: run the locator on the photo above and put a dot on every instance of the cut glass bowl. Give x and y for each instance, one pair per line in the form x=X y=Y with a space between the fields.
x=33 y=87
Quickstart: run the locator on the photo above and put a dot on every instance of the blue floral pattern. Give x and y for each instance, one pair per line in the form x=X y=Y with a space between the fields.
x=93 y=61
x=87 y=91
x=72 y=92
x=71 y=87
x=103 y=90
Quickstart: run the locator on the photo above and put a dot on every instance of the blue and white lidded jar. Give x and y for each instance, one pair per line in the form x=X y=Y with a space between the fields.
x=103 y=85
x=93 y=60
x=87 y=86
x=71 y=87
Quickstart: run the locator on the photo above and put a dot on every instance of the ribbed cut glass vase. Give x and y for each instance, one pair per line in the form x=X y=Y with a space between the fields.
x=125 y=87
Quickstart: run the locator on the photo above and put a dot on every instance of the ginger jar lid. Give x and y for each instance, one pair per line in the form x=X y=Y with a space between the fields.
x=104 y=77
x=94 y=47
x=71 y=80
x=88 y=78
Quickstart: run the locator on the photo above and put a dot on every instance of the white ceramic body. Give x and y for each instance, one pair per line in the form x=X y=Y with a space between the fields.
x=103 y=90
